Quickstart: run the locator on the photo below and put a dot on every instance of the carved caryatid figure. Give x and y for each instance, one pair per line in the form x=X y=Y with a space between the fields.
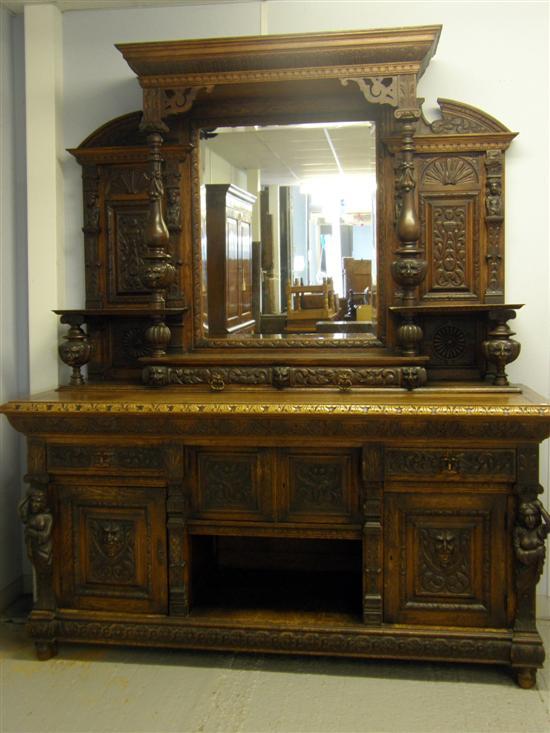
x=38 y=521
x=494 y=197
x=530 y=532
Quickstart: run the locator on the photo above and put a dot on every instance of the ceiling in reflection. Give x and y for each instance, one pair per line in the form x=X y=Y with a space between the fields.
x=291 y=154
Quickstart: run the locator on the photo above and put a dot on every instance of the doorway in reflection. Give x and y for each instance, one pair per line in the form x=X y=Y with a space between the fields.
x=309 y=230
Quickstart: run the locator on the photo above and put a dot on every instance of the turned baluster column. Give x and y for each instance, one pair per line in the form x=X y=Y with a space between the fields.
x=409 y=268
x=159 y=272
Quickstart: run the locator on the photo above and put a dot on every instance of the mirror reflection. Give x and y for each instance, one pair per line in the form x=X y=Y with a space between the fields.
x=288 y=225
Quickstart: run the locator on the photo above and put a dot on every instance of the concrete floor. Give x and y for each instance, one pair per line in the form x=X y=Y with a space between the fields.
x=93 y=689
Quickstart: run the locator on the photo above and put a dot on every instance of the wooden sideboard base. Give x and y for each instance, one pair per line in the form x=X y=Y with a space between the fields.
x=381 y=525
x=343 y=640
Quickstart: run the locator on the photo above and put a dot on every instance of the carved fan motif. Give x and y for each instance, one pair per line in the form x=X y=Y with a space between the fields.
x=449 y=172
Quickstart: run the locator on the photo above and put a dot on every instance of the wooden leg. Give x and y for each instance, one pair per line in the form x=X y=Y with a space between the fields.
x=45 y=650
x=526 y=677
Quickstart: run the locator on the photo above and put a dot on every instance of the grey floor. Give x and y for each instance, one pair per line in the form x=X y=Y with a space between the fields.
x=96 y=689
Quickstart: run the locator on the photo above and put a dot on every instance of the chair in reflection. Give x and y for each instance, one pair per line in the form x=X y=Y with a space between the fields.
x=307 y=304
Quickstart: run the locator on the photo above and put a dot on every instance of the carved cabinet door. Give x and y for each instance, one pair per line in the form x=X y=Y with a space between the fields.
x=112 y=542
x=446 y=558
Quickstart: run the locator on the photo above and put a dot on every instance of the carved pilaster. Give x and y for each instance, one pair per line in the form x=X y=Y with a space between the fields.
x=500 y=348
x=37 y=517
x=494 y=218
x=372 y=473
x=529 y=533
x=178 y=537
x=91 y=229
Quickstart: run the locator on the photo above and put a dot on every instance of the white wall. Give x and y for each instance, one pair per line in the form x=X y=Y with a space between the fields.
x=13 y=377
x=491 y=55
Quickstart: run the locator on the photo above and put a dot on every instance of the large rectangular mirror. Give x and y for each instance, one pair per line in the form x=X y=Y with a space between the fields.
x=288 y=229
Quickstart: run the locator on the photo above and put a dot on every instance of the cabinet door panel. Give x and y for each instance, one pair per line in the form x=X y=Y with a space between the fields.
x=114 y=541
x=319 y=487
x=232 y=484
x=446 y=559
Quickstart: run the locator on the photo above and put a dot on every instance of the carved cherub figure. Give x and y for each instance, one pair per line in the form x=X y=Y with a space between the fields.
x=38 y=522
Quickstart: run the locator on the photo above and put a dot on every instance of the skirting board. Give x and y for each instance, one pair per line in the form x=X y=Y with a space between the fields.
x=12 y=592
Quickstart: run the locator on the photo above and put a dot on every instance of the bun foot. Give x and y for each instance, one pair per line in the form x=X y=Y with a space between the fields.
x=526 y=677
x=45 y=650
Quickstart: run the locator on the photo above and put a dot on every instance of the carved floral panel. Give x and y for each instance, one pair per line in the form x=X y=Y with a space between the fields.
x=450 y=234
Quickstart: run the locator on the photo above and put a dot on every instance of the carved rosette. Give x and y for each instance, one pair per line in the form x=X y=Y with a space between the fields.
x=500 y=348
x=76 y=350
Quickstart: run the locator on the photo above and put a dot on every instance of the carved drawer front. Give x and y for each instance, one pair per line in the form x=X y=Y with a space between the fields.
x=104 y=458
x=319 y=487
x=233 y=484
x=113 y=539
x=445 y=559
x=451 y=464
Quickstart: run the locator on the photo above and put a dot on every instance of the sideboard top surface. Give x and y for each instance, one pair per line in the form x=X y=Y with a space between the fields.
x=458 y=402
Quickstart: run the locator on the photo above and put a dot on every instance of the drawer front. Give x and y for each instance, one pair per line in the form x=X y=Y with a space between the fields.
x=446 y=559
x=319 y=487
x=113 y=545
x=450 y=464
x=232 y=484
x=104 y=458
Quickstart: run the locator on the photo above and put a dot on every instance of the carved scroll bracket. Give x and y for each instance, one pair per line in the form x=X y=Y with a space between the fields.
x=159 y=103
x=376 y=89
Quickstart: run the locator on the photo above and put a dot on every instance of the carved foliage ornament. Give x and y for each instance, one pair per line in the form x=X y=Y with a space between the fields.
x=318 y=486
x=449 y=246
x=227 y=483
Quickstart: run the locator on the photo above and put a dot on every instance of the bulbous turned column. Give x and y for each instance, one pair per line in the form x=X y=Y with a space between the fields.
x=76 y=349
x=159 y=272
x=500 y=348
x=409 y=268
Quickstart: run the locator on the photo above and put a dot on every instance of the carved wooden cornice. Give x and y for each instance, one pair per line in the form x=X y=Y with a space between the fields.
x=174 y=74
x=282 y=57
